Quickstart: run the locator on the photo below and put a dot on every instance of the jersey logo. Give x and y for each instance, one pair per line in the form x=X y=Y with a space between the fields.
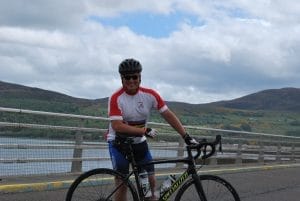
x=140 y=105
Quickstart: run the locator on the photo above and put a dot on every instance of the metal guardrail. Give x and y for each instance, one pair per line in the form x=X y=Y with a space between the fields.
x=4 y=109
x=22 y=111
x=279 y=149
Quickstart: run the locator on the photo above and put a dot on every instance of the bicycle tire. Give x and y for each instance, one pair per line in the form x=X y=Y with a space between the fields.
x=214 y=187
x=98 y=185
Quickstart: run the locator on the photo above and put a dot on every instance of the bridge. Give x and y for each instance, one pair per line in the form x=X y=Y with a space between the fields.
x=32 y=168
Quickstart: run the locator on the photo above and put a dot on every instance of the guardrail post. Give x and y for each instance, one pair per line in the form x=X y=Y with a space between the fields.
x=77 y=164
x=213 y=159
x=180 y=152
x=278 y=153
x=293 y=158
x=261 y=153
x=238 y=159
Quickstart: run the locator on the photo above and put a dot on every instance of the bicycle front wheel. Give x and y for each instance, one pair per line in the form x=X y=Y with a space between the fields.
x=99 y=185
x=214 y=187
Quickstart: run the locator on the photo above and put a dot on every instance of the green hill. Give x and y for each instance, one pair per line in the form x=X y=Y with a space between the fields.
x=285 y=99
x=270 y=111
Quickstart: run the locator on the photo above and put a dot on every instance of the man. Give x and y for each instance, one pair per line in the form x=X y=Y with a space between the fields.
x=129 y=109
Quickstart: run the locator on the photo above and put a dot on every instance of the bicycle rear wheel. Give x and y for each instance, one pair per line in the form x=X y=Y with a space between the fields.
x=214 y=187
x=99 y=185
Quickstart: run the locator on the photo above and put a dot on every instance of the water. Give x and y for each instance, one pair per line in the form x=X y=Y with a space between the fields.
x=29 y=168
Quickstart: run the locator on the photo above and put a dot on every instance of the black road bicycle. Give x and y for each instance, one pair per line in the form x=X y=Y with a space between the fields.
x=98 y=184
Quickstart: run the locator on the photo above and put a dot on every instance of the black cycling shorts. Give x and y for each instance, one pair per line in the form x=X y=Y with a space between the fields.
x=141 y=155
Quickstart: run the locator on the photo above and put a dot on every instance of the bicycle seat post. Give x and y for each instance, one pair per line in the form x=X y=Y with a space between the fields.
x=130 y=156
x=135 y=167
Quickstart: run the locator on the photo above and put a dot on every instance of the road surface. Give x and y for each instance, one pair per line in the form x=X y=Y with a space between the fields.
x=268 y=183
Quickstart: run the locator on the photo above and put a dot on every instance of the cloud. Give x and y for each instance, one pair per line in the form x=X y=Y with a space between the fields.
x=43 y=14
x=214 y=50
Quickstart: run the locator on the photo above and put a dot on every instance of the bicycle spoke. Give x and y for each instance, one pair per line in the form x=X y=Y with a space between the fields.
x=98 y=185
x=214 y=187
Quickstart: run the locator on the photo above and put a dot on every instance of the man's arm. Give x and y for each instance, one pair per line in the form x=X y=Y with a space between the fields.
x=172 y=119
x=120 y=127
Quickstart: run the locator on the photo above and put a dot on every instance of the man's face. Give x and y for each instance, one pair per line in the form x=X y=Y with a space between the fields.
x=131 y=82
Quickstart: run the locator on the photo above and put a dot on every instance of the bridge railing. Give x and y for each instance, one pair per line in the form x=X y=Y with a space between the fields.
x=35 y=156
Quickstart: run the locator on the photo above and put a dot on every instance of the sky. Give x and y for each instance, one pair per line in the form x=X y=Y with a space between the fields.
x=193 y=51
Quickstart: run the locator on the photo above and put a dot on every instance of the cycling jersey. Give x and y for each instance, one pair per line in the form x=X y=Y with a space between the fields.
x=133 y=109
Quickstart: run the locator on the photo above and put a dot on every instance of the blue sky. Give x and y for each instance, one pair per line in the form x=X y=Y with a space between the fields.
x=191 y=51
x=149 y=24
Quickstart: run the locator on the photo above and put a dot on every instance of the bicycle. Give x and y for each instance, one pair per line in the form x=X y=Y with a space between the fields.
x=98 y=184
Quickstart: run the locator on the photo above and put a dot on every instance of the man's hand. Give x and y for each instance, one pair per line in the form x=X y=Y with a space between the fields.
x=189 y=140
x=151 y=132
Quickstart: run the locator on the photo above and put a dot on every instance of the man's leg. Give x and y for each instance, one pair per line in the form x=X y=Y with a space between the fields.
x=152 y=182
x=121 y=164
x=121 y=194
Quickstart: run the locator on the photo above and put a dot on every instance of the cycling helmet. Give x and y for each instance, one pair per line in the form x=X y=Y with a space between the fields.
x=129 y=66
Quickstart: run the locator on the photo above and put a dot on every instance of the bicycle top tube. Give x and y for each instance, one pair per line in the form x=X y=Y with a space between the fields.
x=201 y=148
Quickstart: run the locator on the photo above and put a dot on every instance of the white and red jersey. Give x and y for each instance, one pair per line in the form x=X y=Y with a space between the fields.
x=133 y=109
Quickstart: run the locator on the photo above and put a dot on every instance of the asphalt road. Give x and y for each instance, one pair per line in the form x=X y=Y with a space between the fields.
x=263 y=184
x=267 y=185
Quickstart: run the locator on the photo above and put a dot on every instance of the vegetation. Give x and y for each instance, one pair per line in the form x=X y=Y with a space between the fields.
x=281 y=117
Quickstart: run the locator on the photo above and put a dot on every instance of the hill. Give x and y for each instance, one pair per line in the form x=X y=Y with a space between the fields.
x=9 y=90
x=19 y=96
x=285 y=99
x=270 y=111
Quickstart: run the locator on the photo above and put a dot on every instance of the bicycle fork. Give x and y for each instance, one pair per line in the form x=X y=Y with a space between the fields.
x=199 y=186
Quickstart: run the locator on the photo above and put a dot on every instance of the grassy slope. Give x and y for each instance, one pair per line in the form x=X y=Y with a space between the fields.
x=286 y=122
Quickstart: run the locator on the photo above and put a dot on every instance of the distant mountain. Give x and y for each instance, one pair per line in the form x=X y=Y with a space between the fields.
x=273 y=99
x=14 y=95
x=19 y=96
x=10 y=90
x=270 y=111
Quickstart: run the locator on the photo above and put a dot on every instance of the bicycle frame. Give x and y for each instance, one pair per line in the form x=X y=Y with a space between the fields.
x=175 y=186
x=191 y=170
x=185 y=186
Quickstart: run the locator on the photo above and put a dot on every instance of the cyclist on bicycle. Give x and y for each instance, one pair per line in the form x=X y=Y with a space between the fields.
x=129 y=109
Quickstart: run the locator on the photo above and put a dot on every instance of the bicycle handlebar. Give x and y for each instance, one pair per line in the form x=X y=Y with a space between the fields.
x=202 y=147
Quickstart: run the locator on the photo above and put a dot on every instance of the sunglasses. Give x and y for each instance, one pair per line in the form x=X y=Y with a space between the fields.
x=128 y=77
